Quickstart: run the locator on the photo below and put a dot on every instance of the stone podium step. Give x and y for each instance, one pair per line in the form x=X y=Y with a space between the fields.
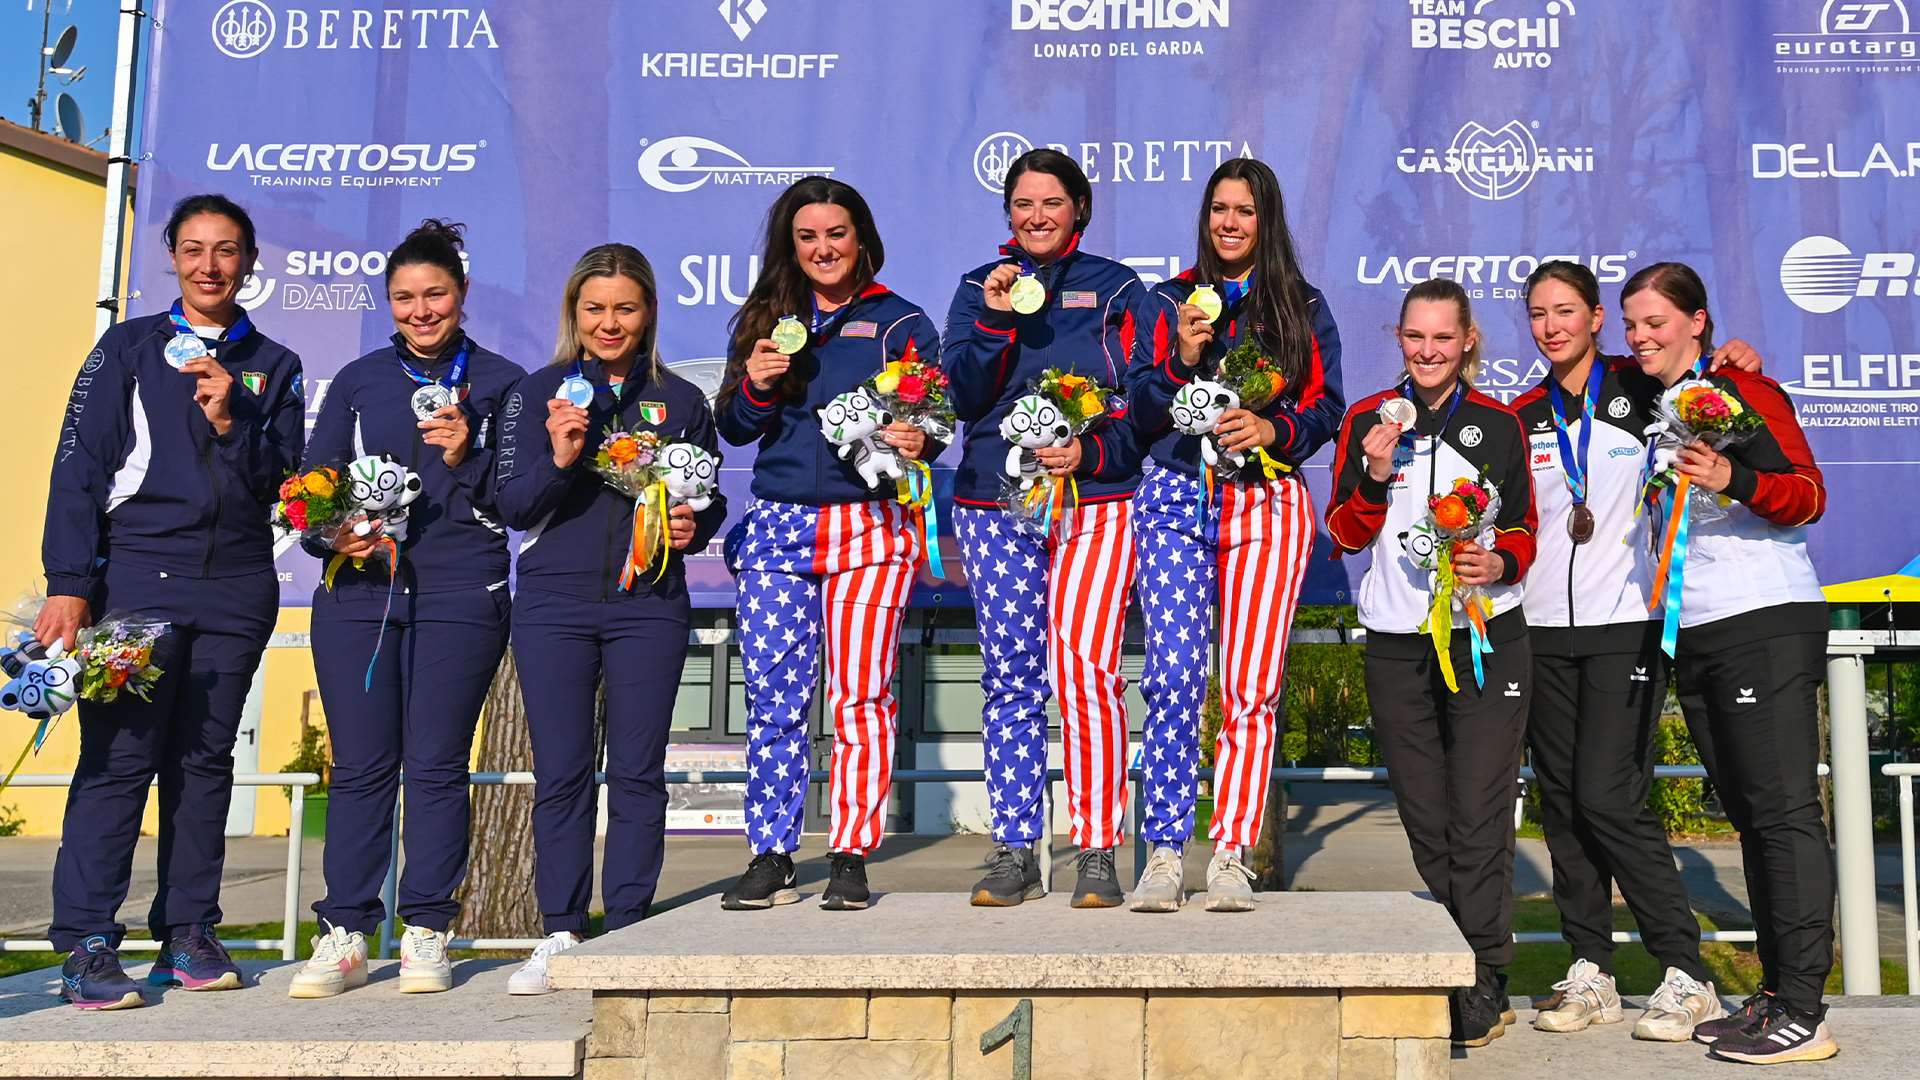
x=1348 y=985
x=474 y=1030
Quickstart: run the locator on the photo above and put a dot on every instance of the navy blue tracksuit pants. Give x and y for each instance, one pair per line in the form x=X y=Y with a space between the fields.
x=562 y=645
x=184 y=736
x=437 y=659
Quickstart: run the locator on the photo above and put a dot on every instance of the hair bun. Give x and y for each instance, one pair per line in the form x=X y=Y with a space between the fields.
x=451 y=232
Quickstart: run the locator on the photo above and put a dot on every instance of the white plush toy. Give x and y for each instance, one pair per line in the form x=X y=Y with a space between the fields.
x=1033 y=423
x=383 y=488
x=690 y=473
x=853 y=423
x=43 y=681
x=1197 y=409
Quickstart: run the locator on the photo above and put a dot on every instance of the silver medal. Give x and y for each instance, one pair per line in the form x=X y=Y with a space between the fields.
x=183 y=348
x=1398 y=410
x=430 y=399
x=578 y=391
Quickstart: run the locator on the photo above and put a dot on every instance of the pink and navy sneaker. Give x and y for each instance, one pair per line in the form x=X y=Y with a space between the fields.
x=195 y=960
x=93 y=979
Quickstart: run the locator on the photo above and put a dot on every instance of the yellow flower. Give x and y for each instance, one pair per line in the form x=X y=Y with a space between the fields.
x=887 y=381
x=1091 y=405
x=896 y=368
x=319 y=483
x=1070 y=385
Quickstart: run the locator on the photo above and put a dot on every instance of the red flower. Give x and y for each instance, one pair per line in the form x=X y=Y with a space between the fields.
x=912 y=390
x=297 y=514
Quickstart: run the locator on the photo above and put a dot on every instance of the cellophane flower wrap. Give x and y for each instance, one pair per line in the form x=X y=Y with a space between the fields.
x=1251 y=373
x=116 y=656
x=915 y=390
x=1690 y=411
x=109 y=658
x=657 y=474
x=314 y=503
x=1034 y=497
x=1463 y=514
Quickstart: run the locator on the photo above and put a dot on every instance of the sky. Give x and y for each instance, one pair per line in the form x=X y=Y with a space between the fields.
x=19 y=54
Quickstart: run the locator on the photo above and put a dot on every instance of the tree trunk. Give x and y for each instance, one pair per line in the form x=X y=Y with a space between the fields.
x=1267 y=857
x=497 y=898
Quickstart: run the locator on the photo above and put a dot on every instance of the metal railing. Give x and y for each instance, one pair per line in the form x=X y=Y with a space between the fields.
x=1909 y=893
x=289 y=940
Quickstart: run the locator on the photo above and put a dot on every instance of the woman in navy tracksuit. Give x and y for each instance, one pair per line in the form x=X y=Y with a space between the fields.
x=573 y=621
x=178 y=432
x=404 y=662
x=1051 y=609
x=821 y=558
x=1237 y=541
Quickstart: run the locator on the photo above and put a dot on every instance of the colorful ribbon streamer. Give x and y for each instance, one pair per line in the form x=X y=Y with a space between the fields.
x=1439 y=624
x=1477 y=635
x=386 y=544
x=915 y=490
x=1045 y=502
x=1668 y=577
x=649 y=542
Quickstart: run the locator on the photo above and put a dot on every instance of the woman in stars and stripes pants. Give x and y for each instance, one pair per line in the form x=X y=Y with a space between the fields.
x=821 y=560
x=1224 y=551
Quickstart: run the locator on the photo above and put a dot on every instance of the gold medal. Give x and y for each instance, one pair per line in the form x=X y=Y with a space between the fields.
x=789 y=336
x=1208 y=301
x=1027 y=294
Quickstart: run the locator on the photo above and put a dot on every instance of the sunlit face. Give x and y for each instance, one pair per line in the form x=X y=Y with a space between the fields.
x=1664 y=339
x=826 y=245
x=1042 y=214
x=211 y=259
x=426 y=306
x=1233 y=225
x=1563 y=325
x=1433 y=343
x=613 y=316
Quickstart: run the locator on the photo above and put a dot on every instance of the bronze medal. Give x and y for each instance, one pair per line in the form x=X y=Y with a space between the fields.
x=1580 y=524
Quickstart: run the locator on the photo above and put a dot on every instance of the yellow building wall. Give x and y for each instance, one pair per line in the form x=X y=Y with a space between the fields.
x=50 y=221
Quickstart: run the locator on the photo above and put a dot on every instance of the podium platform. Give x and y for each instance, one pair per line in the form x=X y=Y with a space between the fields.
x=1347 y=985
x=474 y=1030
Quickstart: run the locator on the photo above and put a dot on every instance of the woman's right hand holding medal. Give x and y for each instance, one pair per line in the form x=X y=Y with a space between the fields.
x=1378 y=445
x=765 y=364
x=1196 y=333
x=567 y=430
x=997 y=290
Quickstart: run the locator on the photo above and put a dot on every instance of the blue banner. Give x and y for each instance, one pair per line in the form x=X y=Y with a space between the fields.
x=1763 y=141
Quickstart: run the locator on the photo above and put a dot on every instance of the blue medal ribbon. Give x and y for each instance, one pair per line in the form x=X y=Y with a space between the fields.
x=241 y=327
x=823 y=322
x=1575 y=465
x=455 y=375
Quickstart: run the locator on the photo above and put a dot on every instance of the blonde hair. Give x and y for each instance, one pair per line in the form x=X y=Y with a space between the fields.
x=610 y=260
x=1446 y=290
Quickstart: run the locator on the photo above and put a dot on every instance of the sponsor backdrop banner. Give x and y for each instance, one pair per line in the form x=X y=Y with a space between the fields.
x=1770 y=143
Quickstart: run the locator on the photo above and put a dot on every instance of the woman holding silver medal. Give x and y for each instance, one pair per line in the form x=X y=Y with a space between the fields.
x=404 y=651
x=179 y=430
x=1448 y=685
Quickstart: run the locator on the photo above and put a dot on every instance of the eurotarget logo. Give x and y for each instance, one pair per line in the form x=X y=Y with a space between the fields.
x=1145 y=161
x=683 y=163
x=345 y=165
x=1830 y=161
x=1495 y=163
x=306 y=281
x=740 y=18
x=1079 y=20
x=1851 y=37
x=1489 y=276
x=1515 y=33
x=244 y=29
x=1821 y=275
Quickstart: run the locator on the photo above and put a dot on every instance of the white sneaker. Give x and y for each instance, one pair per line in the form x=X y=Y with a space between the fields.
x=532 y=976
x=338 y=963
x=1680 y=1003
x=1229 y=883
x=1159 y=888
x=424 y=967
x=1586 y=996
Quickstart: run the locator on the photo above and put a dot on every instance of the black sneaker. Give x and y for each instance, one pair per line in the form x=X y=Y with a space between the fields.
x=1098 y=886
x=93 y=979
x=1747 y=1016
x=1013 y=875
x=1476 y=1014
x=195 y=960
x=768 y=881
x=846 y=883
x=1505 y=1001
x=1782 y=1035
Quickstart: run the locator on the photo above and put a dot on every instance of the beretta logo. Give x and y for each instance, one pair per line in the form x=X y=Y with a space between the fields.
x=1147 y=161
x=244 y=29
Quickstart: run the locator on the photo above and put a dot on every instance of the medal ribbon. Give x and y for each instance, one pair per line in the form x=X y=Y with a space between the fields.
x=1439 y=624
x=824 y=321
x=241 y=327
x=915 y=490
x=649 y=541
x=1575 y=466
x=1671 y=573
x=455 y=375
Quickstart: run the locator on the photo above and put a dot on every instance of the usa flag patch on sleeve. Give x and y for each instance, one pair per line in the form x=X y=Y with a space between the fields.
x=1079 y=299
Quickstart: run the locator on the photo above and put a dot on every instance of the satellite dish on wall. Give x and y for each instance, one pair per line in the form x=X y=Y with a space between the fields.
x=63 y=49
x=67 y=111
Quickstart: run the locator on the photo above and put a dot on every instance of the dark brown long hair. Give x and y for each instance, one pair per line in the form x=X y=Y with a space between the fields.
x=783 y=288
x=1683 y=289
x=1277 y=307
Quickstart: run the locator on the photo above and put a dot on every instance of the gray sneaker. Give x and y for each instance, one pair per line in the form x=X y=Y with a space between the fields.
x=1160 y=884
x=1587 y=996
x=1099 y=885
x=1680 y=1004
x=1229 y=883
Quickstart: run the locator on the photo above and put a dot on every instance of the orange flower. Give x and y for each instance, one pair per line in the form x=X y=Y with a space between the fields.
x=1450 y=512
x=623 y=450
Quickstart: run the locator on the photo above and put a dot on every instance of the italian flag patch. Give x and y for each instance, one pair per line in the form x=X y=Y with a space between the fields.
x=255 y=381
x=653 y=412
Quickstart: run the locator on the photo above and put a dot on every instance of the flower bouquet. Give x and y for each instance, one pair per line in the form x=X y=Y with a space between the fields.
x=1061 y=407
x=657 y=474
x=1248 y=379
x=914 y=390
x=1460 y=516
x=313 y=503
x=44 y=681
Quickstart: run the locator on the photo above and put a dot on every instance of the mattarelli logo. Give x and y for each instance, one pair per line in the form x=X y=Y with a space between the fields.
x=1517 y=33
x=1821 y=275
x=1852 y=37
x=345 y=165
x=244 y=29
x=1102 y=17
x=687 y=162
x=1495 y=163
x=1147 y=161
x=741 y=17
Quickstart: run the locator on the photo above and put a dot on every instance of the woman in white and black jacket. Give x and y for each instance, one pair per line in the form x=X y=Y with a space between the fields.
x=1749 y=652
x=1453 y=757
